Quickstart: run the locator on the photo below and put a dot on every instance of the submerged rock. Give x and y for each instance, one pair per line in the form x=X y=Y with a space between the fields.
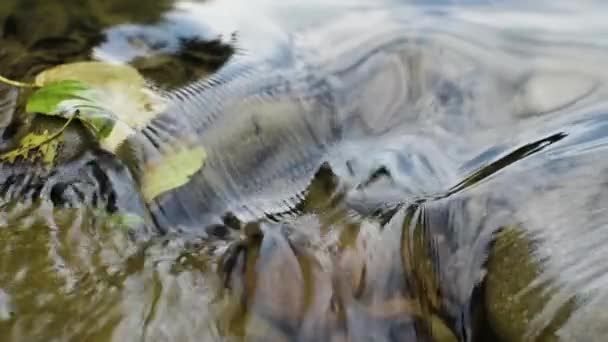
x=511 y=303
x=68 y=172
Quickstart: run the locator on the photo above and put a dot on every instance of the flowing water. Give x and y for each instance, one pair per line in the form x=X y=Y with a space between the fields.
x=377 y=171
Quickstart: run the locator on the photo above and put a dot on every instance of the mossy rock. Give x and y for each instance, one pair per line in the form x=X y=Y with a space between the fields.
x=511 y=269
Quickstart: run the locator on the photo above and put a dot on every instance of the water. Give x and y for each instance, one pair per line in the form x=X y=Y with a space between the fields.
x=450 y=186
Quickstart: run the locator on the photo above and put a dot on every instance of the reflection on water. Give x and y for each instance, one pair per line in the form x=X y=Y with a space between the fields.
x=399 y=172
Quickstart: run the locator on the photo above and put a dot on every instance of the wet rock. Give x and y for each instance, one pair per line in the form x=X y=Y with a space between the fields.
x=70 y=171
x=163 y=69
x=297 y=281
x=510 y=309
x=8 y=103
x=113 y=12
x=72 y=143
x=194 y=61
x=268 y=281
x=6 y=7
x=45 y=20
x=76 y=138
x=37 y=35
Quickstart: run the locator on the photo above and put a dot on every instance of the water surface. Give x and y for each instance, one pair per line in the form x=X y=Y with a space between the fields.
x=372 y=216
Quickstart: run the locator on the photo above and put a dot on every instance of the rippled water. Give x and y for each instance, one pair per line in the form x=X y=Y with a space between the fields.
x=394 y=171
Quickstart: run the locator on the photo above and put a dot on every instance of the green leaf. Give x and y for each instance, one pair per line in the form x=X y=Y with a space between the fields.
x=172 y=172
x=111 y=99
x=72 y=98
x=48 y=99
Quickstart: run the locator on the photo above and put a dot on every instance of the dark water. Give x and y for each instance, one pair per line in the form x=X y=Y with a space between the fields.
x=403 y=171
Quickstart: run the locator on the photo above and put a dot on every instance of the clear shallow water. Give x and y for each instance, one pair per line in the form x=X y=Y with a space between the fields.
x=446 y=124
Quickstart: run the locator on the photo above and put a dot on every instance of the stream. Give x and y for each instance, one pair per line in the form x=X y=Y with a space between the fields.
x=376 y=171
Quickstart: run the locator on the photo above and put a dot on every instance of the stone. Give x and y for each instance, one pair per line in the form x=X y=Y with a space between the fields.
x=511 y=270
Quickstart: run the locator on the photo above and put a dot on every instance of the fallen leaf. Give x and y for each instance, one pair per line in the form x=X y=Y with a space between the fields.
x=172 y=172
x=76 y=99
x=111 y=99
x=35 y=147
x=92 y=73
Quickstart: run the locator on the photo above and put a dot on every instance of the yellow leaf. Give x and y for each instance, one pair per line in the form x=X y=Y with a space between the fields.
x=34 y=146
x=119 y=89
x=171 y=172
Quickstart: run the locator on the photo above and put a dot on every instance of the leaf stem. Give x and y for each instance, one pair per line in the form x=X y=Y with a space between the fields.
x=59 y=131
x=16 y=83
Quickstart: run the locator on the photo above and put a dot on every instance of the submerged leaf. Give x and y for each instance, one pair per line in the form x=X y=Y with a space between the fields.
x=34 y=146
x=172 y=172
x=122 y=220
x=126 y=221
